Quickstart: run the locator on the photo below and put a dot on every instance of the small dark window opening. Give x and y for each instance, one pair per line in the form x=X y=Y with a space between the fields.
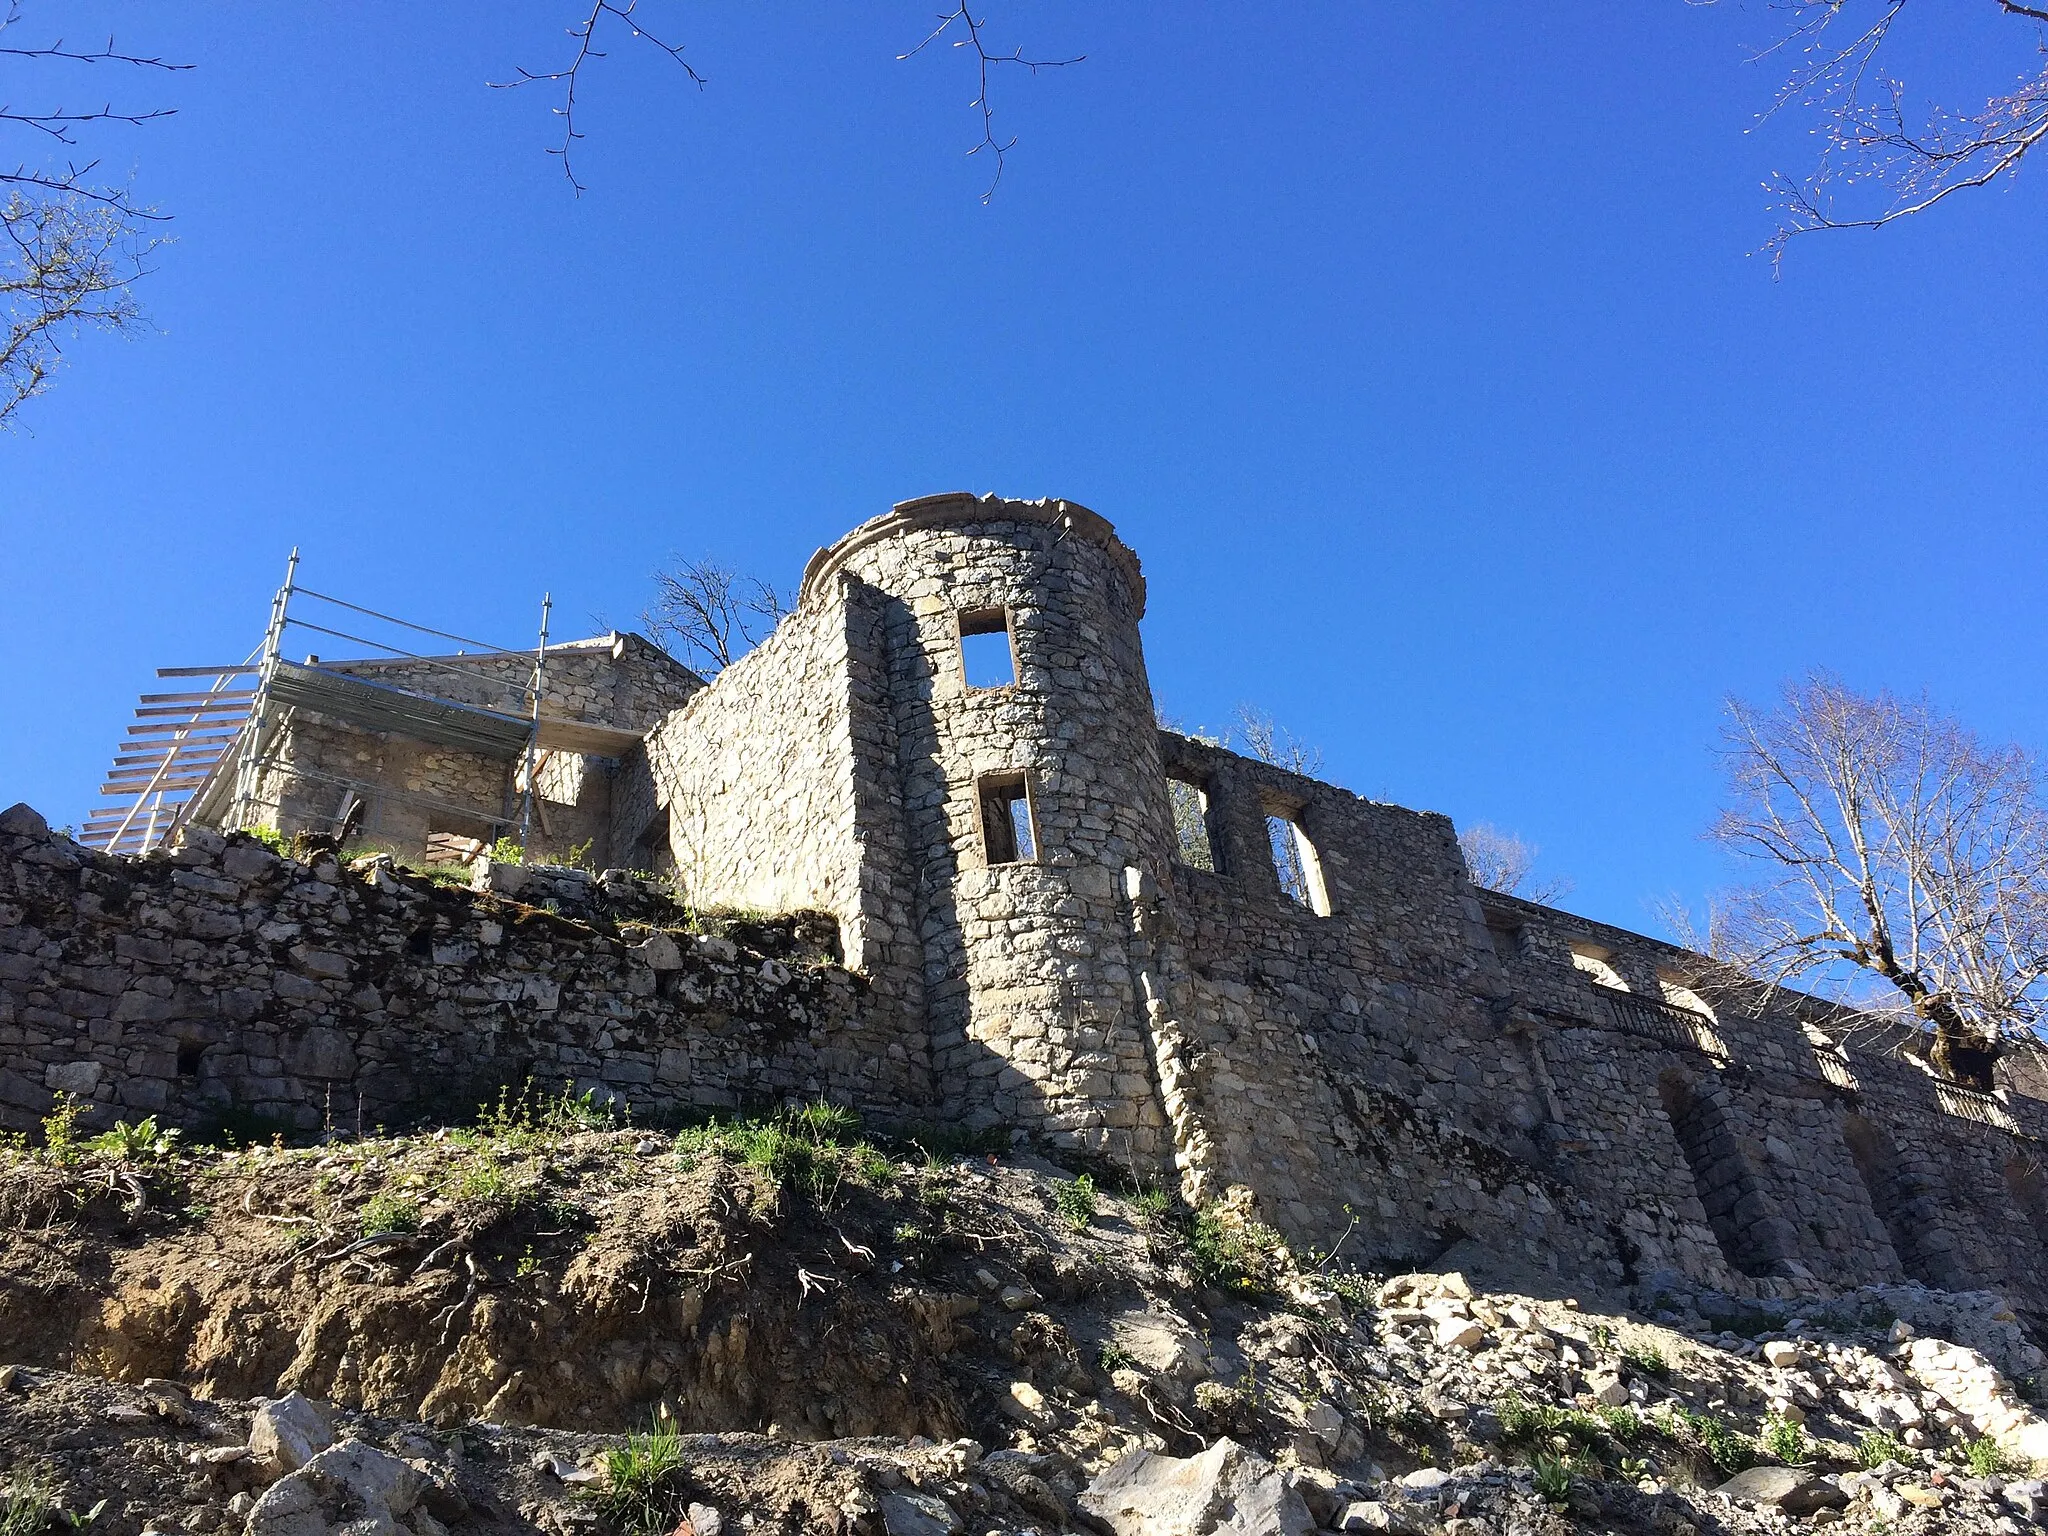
x=1295 y=861
x=1194 y=837
x=421 y=942
x=1506 y=937
x=189 y=1052
x=651 y=852
x=986 y=654
x=1007 y=833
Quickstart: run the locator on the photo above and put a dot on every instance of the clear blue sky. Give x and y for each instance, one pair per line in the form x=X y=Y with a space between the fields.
x=1416 y=348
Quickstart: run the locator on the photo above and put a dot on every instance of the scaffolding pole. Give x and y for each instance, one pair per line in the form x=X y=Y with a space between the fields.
x=540 y=663
x=273 y=639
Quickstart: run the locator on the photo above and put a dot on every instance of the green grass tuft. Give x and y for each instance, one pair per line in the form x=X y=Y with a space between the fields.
x=1075 y=1200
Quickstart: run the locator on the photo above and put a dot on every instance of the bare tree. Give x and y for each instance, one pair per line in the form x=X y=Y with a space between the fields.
x=1273 y=743
x=584 y=36
x=1501 y=861
x=1896 y=848
x=74 y=245
x=1881 y=157
x=709 y=615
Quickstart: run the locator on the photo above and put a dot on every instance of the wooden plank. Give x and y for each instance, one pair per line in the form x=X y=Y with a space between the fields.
x=582 y=736
x=144 y=775
x=130 y=790
x=195 y=698
x=207 y=671
x=227 y=728
x=182 y=755
x=193 y=711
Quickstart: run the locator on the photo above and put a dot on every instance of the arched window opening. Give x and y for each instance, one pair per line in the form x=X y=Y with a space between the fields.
x=1746 y=1227
x=1679 y=994
x=1597 y=964
x=1194 y=836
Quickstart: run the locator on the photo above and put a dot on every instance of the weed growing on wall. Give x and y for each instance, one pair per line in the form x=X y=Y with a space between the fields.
x=1234 y=1252
x=814 y=1149
x=1647 y=1360
x=1988 y=1458
x=1714 y=1439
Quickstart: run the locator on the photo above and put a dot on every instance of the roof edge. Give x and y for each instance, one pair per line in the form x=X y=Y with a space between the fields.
x=950 y=508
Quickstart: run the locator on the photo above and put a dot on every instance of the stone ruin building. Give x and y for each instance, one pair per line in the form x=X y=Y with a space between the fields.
x=1046 y=914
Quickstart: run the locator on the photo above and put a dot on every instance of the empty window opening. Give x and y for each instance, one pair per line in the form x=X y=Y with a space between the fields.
x=986 y=654
x=1907 y=1201
x=1752 y=1236
x=1680 y=995
x=1597 y=963
x=1194 y=838
x=189 y=1052
x=1505 y=935
x=1295 y=861
x=1007 y=832
x=651 y=853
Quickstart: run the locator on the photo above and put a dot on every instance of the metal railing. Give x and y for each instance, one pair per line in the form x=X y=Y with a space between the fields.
x=1654 y=1019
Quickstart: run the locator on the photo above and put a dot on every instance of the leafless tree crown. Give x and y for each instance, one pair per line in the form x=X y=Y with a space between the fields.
x=708 y=615
x=73 y=244
x=1881 y=157
x=1270 y=742
x=1501 y=861
x=1894 y=846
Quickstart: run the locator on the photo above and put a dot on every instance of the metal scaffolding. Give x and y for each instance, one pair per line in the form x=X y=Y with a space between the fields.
x=206 y=753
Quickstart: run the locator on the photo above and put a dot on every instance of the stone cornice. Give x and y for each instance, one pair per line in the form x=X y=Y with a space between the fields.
x=962 y=508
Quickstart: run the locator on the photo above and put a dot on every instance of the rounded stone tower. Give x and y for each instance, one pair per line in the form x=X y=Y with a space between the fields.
x=1034 y=809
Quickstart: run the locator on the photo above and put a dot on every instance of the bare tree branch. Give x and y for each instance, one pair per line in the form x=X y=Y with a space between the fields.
x=67 y=264
x=1875 y=166
x=570 y=76
x=709 y=615
x=984 y=63
x=1501 y=861
x=71 y=247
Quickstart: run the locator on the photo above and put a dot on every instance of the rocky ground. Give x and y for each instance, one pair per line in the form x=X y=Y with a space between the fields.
x=548 y=1322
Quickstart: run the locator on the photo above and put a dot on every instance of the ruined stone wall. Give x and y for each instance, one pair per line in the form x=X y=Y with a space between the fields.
x=1359 y=1066
x=755 y=775
x=223 y=981
x=1440 y=1065
x=1822 y=1153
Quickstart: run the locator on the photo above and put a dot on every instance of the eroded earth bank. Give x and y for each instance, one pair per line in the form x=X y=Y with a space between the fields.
x=552 y=1322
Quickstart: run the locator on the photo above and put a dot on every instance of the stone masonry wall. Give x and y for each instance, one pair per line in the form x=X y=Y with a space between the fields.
x=221 y=980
